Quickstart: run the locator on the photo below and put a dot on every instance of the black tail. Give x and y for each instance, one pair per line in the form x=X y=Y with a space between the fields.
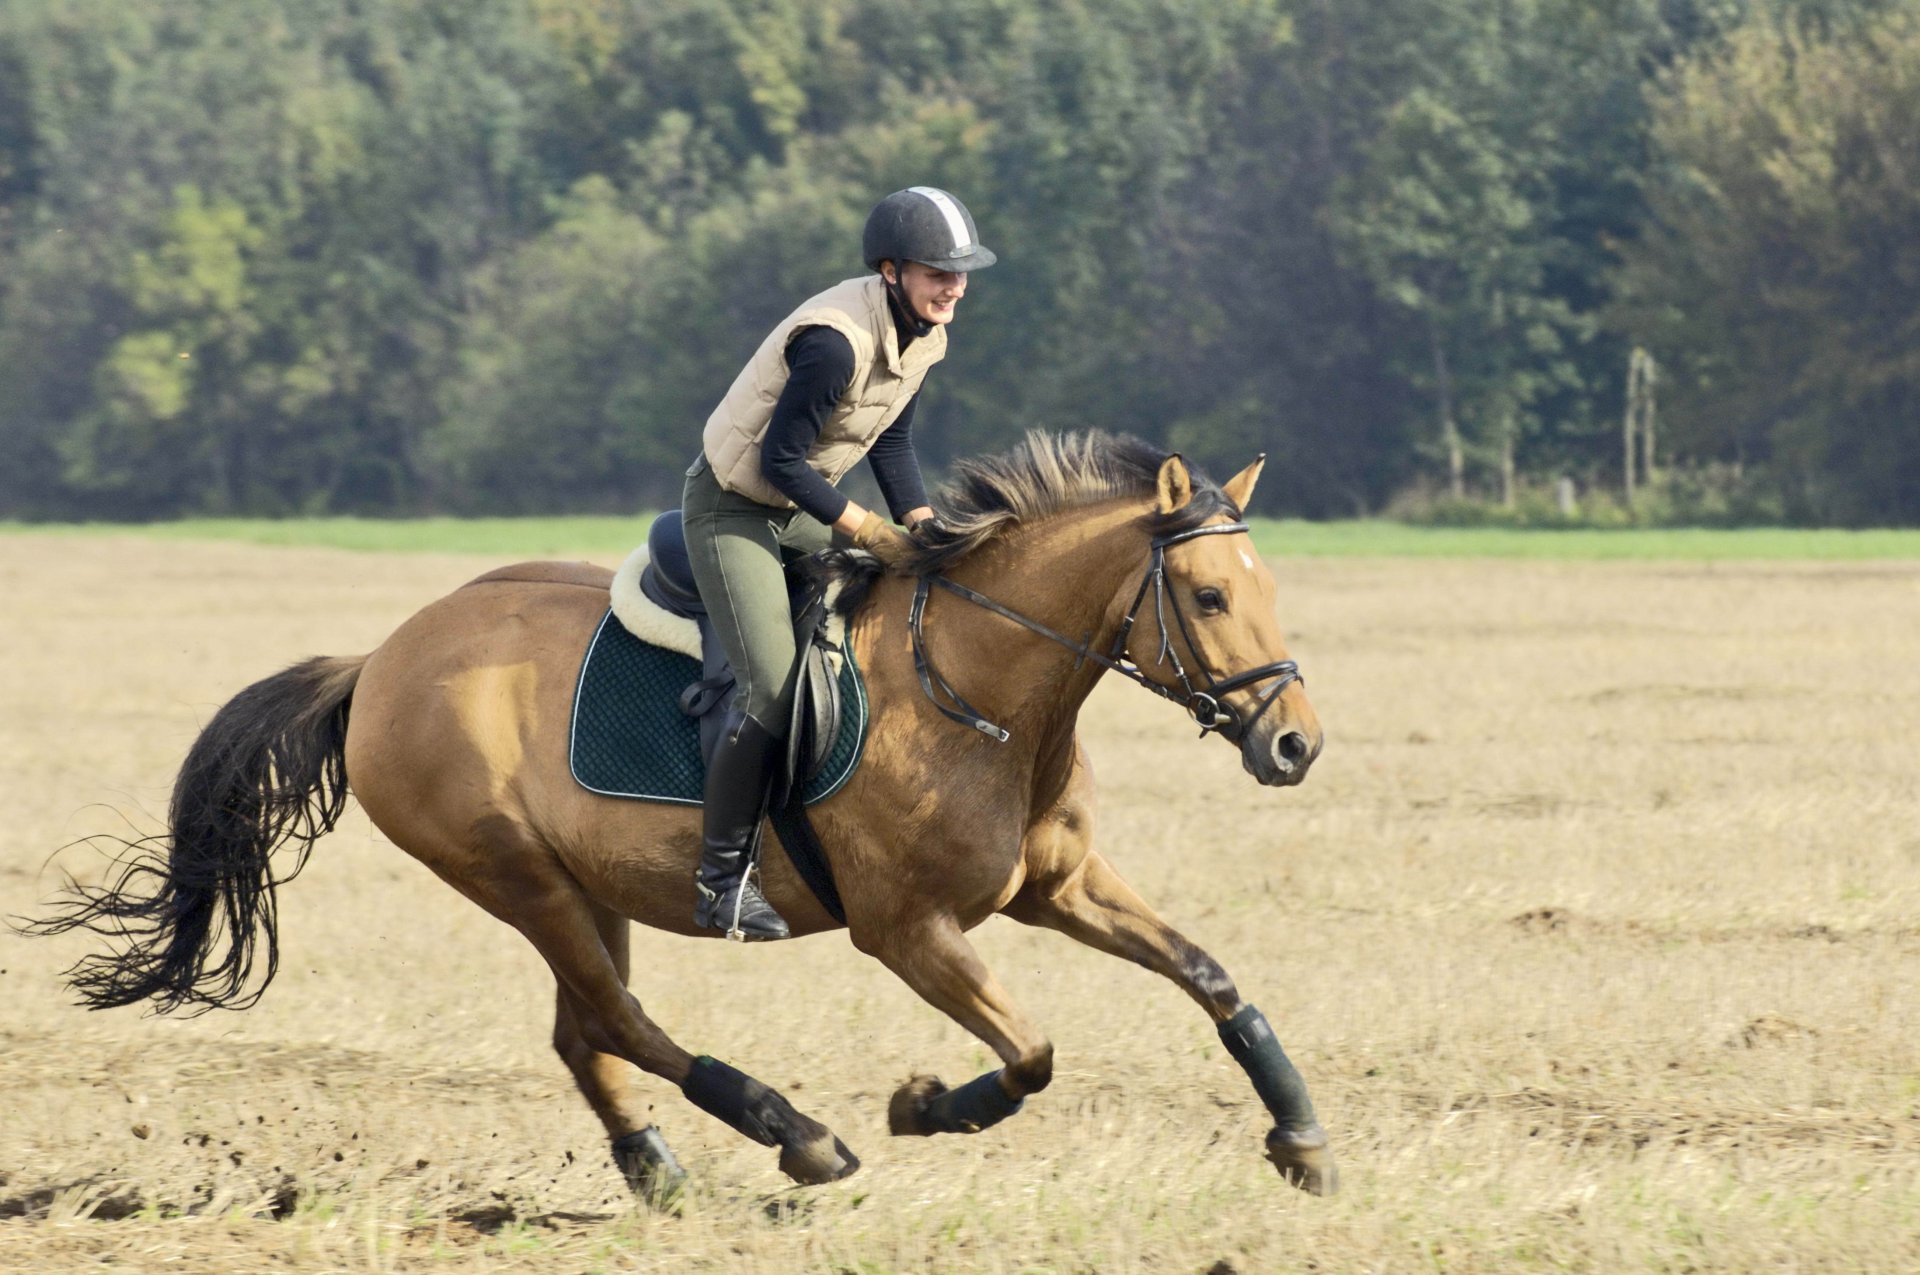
x=190 y=907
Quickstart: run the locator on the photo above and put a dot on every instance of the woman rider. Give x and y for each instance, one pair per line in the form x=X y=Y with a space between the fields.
x=834 y=381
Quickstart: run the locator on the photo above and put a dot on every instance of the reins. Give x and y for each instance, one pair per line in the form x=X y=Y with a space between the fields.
x=1203 y=704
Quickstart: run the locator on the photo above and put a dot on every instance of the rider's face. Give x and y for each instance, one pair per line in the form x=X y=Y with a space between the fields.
x=932 y=293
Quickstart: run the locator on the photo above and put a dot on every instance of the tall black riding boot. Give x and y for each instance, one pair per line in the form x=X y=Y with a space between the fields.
x=738 y=777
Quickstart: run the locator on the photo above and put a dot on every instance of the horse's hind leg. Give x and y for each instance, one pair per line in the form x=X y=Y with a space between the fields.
x=548 y=906
x=1092 y=903
x=607 y=1083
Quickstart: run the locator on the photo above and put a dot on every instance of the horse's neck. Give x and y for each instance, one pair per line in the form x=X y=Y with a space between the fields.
x=1065 y=573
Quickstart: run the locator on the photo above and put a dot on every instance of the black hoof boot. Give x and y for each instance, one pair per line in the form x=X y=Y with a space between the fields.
x=739 y=775
x=653 y=1175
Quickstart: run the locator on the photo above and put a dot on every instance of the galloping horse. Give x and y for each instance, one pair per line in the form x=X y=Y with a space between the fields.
x=1063 y=559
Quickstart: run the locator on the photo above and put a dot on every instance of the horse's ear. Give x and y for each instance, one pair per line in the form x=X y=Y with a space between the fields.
x=1239 y=488
x=1176 y=485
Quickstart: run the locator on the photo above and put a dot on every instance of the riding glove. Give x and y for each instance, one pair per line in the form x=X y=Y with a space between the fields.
x=884 y=540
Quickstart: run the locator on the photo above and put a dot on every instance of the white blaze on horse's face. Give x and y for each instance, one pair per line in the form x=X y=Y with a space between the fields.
x=1227 y=598
x=1234 y=626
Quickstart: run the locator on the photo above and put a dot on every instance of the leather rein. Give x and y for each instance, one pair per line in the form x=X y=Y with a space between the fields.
x=1203 y=704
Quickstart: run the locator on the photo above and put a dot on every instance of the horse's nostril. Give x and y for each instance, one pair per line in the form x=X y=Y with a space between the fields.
x=1291 y=748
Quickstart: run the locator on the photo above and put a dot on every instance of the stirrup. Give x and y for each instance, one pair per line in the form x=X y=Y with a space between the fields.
x=709 y=914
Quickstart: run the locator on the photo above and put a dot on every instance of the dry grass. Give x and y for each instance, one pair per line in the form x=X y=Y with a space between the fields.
x=1596 y=932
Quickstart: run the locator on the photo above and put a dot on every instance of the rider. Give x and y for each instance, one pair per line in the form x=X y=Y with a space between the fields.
x=834 y=381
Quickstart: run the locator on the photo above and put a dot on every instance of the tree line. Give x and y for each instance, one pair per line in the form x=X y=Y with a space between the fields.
x=400 y=256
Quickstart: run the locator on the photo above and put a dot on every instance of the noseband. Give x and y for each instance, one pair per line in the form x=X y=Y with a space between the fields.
x=1202 y=703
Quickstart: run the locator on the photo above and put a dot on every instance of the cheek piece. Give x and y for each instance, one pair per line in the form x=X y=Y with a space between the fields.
x=1203 y=702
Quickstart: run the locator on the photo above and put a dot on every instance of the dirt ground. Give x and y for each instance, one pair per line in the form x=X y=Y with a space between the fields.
x=1596 y=932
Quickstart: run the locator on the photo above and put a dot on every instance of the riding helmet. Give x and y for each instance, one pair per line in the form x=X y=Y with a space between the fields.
x=924 y=224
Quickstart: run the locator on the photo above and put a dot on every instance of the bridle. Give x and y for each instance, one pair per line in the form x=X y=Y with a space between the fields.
x=1202 y=703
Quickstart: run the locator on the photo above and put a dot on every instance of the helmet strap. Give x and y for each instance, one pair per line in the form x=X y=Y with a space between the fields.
x=903 y=312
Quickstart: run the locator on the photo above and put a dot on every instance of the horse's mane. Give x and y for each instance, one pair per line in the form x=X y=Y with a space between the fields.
x=1042 y=475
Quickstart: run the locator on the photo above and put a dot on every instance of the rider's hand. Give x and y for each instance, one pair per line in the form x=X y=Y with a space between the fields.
x=884 y=540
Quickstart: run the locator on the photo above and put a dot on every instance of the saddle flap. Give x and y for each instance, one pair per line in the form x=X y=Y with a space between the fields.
x=815 y=722
x=630 y=738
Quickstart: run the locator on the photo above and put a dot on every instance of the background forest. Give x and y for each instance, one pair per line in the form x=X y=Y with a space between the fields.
x=400 y=256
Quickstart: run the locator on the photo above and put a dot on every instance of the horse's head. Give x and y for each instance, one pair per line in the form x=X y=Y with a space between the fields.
x=1205 y=629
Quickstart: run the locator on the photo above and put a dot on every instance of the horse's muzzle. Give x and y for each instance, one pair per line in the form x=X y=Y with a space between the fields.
x=1280 y=759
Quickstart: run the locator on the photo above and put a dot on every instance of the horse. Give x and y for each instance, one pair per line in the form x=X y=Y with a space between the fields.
x=1058 y=561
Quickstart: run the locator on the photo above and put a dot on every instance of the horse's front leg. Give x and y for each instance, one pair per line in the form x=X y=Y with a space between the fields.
x=1091 y=902
x=932 y=956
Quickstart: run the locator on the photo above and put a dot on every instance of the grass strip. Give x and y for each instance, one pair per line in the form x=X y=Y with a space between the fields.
x=610 y=537
x=1380 y=539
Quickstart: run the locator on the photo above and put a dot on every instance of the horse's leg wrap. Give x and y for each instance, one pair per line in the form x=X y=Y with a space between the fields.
x=649 y=1167
x=1251 y=1041
x=809 y=1153
x=979 y=1104
x=737 y=1099
x=1296 y=1145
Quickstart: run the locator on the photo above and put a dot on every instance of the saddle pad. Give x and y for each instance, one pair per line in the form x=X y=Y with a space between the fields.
x=630 y=738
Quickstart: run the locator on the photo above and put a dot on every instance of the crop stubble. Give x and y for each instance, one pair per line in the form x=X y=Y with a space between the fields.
x=1595 y=932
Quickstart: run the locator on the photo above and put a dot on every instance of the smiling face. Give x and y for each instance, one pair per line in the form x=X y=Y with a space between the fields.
x=933 y=294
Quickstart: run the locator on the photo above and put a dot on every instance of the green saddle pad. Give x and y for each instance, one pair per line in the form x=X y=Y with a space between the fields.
x=630 y=738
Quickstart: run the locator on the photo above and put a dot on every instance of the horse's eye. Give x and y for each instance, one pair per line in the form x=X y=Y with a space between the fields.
x=1210 y=600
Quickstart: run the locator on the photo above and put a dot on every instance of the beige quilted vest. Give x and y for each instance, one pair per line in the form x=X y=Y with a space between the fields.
x=884 y=382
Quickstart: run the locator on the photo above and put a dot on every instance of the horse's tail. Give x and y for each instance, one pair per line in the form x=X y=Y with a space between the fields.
x=189 y=907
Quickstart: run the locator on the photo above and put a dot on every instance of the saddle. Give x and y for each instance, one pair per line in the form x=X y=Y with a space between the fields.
x=815 y=723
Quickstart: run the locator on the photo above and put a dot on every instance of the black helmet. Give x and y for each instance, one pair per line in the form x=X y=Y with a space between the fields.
x=924 y=224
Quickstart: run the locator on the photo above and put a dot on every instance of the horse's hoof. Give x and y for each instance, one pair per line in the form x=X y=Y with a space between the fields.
x=825 y=1159
x=1304 y=1159
x=662 y=1191
x=652 y=1173
x=907 y=1111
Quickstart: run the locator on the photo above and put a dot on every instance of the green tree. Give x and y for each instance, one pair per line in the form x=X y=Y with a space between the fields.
x=1776 y=278
x=191 y=323
x=1450 y=219
x=429 y=254
x=553 y=371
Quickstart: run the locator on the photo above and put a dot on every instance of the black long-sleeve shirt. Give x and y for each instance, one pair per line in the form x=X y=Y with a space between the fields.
x=819 y=369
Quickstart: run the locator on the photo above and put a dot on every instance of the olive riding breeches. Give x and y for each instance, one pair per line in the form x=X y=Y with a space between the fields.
x=740 y=549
